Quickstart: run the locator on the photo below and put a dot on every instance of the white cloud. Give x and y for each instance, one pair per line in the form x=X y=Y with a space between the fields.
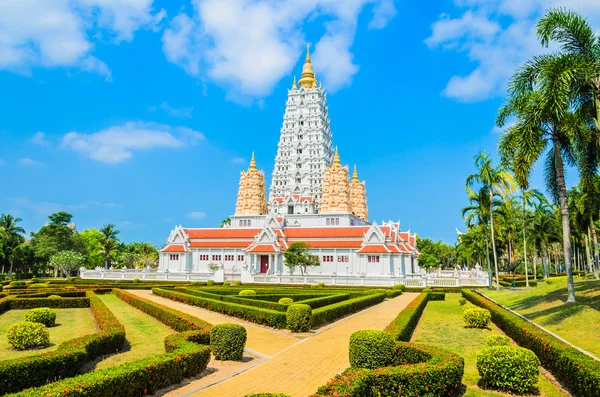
x=45 y=207
x=497 y=36
x=177 y=112
x=39 y=138
x=248 y=46
x=238 y=160
x=58 y=33
x=197 y=215
x=26 y=161
x=118 y=143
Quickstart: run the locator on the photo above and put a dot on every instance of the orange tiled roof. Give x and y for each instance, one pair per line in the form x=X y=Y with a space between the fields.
x=325 y=232
x=374 y=249
x=220 y=244
x=263 y=248
x=174 y=248
x=332 y=244
x=222 y=233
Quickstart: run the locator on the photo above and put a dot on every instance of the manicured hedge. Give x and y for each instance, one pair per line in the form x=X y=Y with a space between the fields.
x=435 y=372
x=242 y=300
x=372 y=349
x=316 y=303
x=32 y=371
x=227 y=341
x=518 y=283
x=580 y=373
x=327 y=314
x=31 y=303
x=268 y=317
x=405 y=323
x=437 y=296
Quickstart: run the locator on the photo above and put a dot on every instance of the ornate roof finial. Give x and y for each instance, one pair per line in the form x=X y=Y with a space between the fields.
x=252 y=164
x=307 y=53
x=294 y=86
x=336 y=158
x=355 y=175
x=307 y=79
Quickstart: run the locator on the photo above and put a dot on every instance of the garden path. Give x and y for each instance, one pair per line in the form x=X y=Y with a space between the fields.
x=300 y=368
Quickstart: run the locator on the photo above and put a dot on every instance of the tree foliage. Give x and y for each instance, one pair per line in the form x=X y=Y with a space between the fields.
x=298 y=255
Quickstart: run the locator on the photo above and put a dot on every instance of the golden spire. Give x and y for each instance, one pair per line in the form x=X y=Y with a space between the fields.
x=252 y=164
x=307 y=79
x=294 y=86
x=336 y=158
x=355 y=175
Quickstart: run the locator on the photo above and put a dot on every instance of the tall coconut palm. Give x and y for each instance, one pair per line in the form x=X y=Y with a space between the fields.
x=108 y=242
x=539 y=98
x=528 y=198
x=13 y=238
x=491 y=181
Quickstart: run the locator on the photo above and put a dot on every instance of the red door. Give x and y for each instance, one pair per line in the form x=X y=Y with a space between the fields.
x=264 y=263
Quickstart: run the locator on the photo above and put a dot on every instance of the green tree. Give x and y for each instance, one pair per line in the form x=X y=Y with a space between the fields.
x=11 y=239
x=91 y=239
x=298 y=255
x=68 y=261
x=428 y=261
x=539 y=99
x=491 y=181
x=225 y=222
x=109 y=243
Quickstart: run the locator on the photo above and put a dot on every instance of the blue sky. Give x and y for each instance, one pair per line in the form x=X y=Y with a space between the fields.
x=142 y=113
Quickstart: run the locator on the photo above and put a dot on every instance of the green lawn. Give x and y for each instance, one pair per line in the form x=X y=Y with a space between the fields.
x=545 y=305
x=145 y=335
x=71 y=323
x=442 y=325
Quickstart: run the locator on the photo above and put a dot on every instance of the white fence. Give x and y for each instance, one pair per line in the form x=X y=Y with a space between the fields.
x=414 y=281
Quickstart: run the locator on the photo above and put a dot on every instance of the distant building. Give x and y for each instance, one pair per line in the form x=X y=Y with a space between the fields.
x=311 y=199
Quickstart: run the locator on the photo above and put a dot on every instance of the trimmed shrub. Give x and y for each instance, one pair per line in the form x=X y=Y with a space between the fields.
x=437 y=296
x=237 y=283
x=556 y=280
x=75 y=279
x=42 y=315
x=332 y=312
x=462 y=301
x=579 y=372
x=55 y=297
x=321 y=301
x=314 y=286
x=321 y=285
x=497 y=340
x=34 y=280
x=509 y=368
x=299 y=317
x=30 y=303
x=405 y=323
x=247 y=292
x=477 y=318
x=286 y=301
x=427 y=290
x=371 y=349
x=227 y=341
x=27 y=335
x=210 y=283
x=400 y=287
x=38 y=285
x=18 y=284
x=137 y=280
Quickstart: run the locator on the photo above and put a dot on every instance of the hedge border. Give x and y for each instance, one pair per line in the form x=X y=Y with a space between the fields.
x=403 y=326
x=327 y=314
x=579 y=372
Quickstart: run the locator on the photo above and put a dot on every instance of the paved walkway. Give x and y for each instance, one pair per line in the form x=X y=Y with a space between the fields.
x=303 y=366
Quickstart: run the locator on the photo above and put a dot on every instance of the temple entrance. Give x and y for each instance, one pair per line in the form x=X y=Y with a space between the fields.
x=264 y=263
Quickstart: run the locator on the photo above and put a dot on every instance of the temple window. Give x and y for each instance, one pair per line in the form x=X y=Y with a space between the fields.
x=174 y=257
x=240 y=258
x=249 y=222
x=327 y=258
x=343 y=258
x=373 y=259
x=216 y=257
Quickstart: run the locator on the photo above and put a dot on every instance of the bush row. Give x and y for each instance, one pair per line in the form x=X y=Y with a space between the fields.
x=268 y=317
x=406 y=321
x=437 y=296
x=327 y=314
x=31 y=303
x=580 y=373
x=316 y=303
x=246 y=300
x=518 y=283
x=32 y=371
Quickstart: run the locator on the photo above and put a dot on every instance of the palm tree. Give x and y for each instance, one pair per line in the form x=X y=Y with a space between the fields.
x=13 y=238
x=108 y=242
x=576 y=38
x=540 y=98
x=528 y=198
x=492 y=181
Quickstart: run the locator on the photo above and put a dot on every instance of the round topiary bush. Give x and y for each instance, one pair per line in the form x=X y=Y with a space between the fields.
x=476 y=317
x=321 y=285
x=137 y=280
x=286 y=301
x=18 y=284
x=26 y=335
x=497 y=340
x=237 y=283
x=247 y=292
x=299 y=317
x=55 y=297
x=462 y=301
x=508 y=368
x=227 y=341
x=38 y=285
x=400 y=287
x=314 y=286
x=210 y=283
x=42 y=315
x=371 y=349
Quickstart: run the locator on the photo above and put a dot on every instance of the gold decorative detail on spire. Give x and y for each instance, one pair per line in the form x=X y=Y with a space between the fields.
x=307 y=80
x=252 y=164
x=252 y=199
x=336 y=158
x=355 y=175
x=336 y=189
x=294 y=86
x=358 y=197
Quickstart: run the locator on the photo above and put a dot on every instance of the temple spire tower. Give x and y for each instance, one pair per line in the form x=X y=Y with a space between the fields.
x=358 y=196
x=305 y=148
x=252 y=198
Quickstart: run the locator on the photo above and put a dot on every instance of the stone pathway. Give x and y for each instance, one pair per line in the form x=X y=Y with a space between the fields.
x=296 y=367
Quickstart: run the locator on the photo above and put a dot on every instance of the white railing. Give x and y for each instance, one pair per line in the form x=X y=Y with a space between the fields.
x=410 y=281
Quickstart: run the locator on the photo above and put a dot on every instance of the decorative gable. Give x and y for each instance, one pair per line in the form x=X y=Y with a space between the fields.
x=374 y=235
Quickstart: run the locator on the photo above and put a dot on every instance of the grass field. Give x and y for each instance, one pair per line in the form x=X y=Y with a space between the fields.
x=442 y=325
x=545 y=306
x=71 y=323
x=145 y=335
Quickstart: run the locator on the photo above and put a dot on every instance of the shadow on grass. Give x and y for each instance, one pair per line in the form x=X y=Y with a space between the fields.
x=91 y=365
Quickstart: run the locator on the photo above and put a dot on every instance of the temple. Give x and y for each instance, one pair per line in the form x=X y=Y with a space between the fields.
x=312 y=199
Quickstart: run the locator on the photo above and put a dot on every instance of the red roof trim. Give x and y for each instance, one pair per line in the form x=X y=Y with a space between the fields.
x=174 y=248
